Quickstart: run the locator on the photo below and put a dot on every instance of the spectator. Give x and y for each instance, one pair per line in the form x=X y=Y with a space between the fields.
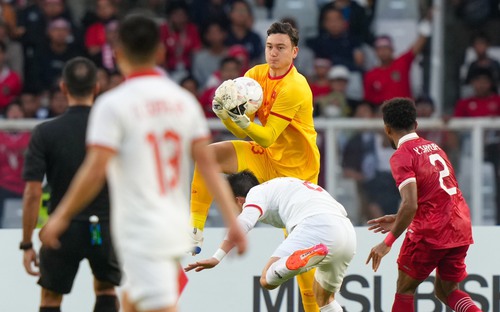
x=207 y=60
x=10 y=83
x=104 y=57
x=239 y=53
x=191 y=84
x=102 y=80
x=336 y=103
x=336 y=43
x=96 y=33
x=205 y=11
x=52 y=57
x=229 y=68
x=14 y=57
x=240 y=30
x=31 y=105
x=12 y=148
x=392 y=78
x=34 y=19
x=319 y=83
x=58 y=102
x=485 y=103
x=181 y=39
x=480 y=44
x=366 y=160
x=355 y=16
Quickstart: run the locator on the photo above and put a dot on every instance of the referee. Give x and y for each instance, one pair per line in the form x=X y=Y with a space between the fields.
x=57 y=149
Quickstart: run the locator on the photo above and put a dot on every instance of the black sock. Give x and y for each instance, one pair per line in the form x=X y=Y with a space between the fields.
x=106 y=303
x=50 y=309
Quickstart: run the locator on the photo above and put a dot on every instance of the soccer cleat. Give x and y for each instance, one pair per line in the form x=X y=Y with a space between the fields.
x=306 y=258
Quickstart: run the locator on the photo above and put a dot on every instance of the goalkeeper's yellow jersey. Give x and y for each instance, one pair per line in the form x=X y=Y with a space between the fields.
x=288 y=99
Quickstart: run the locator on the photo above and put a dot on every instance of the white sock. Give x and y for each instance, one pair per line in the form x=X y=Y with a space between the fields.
x=333 y=306
x=278 y=273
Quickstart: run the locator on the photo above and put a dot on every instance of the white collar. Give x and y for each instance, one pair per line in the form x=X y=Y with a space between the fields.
x=407 y=137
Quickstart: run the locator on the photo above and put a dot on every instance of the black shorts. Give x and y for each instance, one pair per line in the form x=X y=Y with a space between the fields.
x=58 y=267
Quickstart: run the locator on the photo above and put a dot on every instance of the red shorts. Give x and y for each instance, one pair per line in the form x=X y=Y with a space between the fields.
x=418 y=261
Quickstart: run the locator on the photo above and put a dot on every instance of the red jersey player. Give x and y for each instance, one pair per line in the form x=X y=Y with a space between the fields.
x=432 y=209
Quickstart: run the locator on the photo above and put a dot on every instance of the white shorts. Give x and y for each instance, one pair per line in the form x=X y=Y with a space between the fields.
x=336 y=233
x=150 y=283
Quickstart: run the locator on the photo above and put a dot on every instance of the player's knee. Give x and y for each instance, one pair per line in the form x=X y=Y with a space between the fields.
x=50 y=298
x=264 y=284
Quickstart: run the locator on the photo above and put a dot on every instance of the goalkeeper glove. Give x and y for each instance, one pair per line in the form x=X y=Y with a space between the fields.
x=238 y=116
x=197 y=240
x=219 y=110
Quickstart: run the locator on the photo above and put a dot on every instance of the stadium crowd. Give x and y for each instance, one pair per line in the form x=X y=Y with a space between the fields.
x=209 y=41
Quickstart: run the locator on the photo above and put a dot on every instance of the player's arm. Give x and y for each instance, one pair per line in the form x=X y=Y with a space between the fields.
x=31 y=206
x=87 y=182
x=220 y=189
x=246 y=221
x=405 y=215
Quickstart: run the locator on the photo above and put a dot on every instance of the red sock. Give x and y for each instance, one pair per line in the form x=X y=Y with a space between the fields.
x=403 y=303
x=461 y=302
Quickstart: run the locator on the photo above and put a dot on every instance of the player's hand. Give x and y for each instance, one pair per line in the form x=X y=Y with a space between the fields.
x=240 y=119
x=50 y=233
x=202 y=265
x=197 y=240
x=383 y=224
x=238 y=237
x=376 y=255
x=30 y=261
x=219 y=110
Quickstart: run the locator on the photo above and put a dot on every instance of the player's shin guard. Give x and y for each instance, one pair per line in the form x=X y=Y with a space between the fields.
x=333 y=306
x=50 y=309
x=403 y=303
x=106 y=303
x=305 y=281
x=200 y=201
x=461 y=302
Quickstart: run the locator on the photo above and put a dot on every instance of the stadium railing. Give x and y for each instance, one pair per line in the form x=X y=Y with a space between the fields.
x=332 y=129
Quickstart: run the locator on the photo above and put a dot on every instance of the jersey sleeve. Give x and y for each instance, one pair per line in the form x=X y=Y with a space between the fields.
x=35 y=164
x=104 y=127
x=402 y=169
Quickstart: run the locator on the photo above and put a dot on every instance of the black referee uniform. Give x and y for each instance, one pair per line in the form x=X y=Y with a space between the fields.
x=57 y=149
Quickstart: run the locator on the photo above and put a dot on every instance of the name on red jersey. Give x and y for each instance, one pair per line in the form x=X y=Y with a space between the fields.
x=426 y=148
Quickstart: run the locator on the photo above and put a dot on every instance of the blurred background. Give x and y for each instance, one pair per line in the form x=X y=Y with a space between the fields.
x=355 y=54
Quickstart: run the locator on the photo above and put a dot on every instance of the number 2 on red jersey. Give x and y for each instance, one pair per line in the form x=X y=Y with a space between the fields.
x=433 y=158
x=168 y=139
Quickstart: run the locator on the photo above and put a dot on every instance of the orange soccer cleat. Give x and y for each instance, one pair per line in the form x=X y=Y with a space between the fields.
x=306 y=258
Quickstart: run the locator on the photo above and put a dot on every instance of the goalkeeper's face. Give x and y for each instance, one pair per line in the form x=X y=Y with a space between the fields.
x=280 y=52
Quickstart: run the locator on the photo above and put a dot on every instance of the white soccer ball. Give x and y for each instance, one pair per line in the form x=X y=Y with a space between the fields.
x=251 y=90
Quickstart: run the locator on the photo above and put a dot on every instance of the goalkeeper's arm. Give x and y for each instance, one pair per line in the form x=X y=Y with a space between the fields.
x=266 y=135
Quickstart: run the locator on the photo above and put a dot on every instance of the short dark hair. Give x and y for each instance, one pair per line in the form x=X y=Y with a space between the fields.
x=80 y=77
x=285 y=28
x=139 y=37
x=229 y=59
x=400 y=113
x=242 y=182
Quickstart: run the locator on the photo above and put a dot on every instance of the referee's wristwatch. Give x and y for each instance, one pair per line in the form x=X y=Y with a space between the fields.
x=25 y=245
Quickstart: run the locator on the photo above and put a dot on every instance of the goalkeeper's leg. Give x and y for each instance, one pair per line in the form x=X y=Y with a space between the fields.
x=306 y=281
x=201 y=199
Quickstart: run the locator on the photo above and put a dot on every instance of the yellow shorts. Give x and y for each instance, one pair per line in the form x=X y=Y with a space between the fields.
x=253 y=157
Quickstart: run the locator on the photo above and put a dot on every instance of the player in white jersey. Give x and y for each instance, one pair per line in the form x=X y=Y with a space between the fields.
x=143 y=132
x=320 y=236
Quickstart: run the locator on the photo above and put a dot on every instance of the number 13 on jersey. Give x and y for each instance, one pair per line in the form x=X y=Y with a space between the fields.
x=166 y=149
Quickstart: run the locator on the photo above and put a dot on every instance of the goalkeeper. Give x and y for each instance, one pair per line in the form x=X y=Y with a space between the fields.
x=285 y=144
